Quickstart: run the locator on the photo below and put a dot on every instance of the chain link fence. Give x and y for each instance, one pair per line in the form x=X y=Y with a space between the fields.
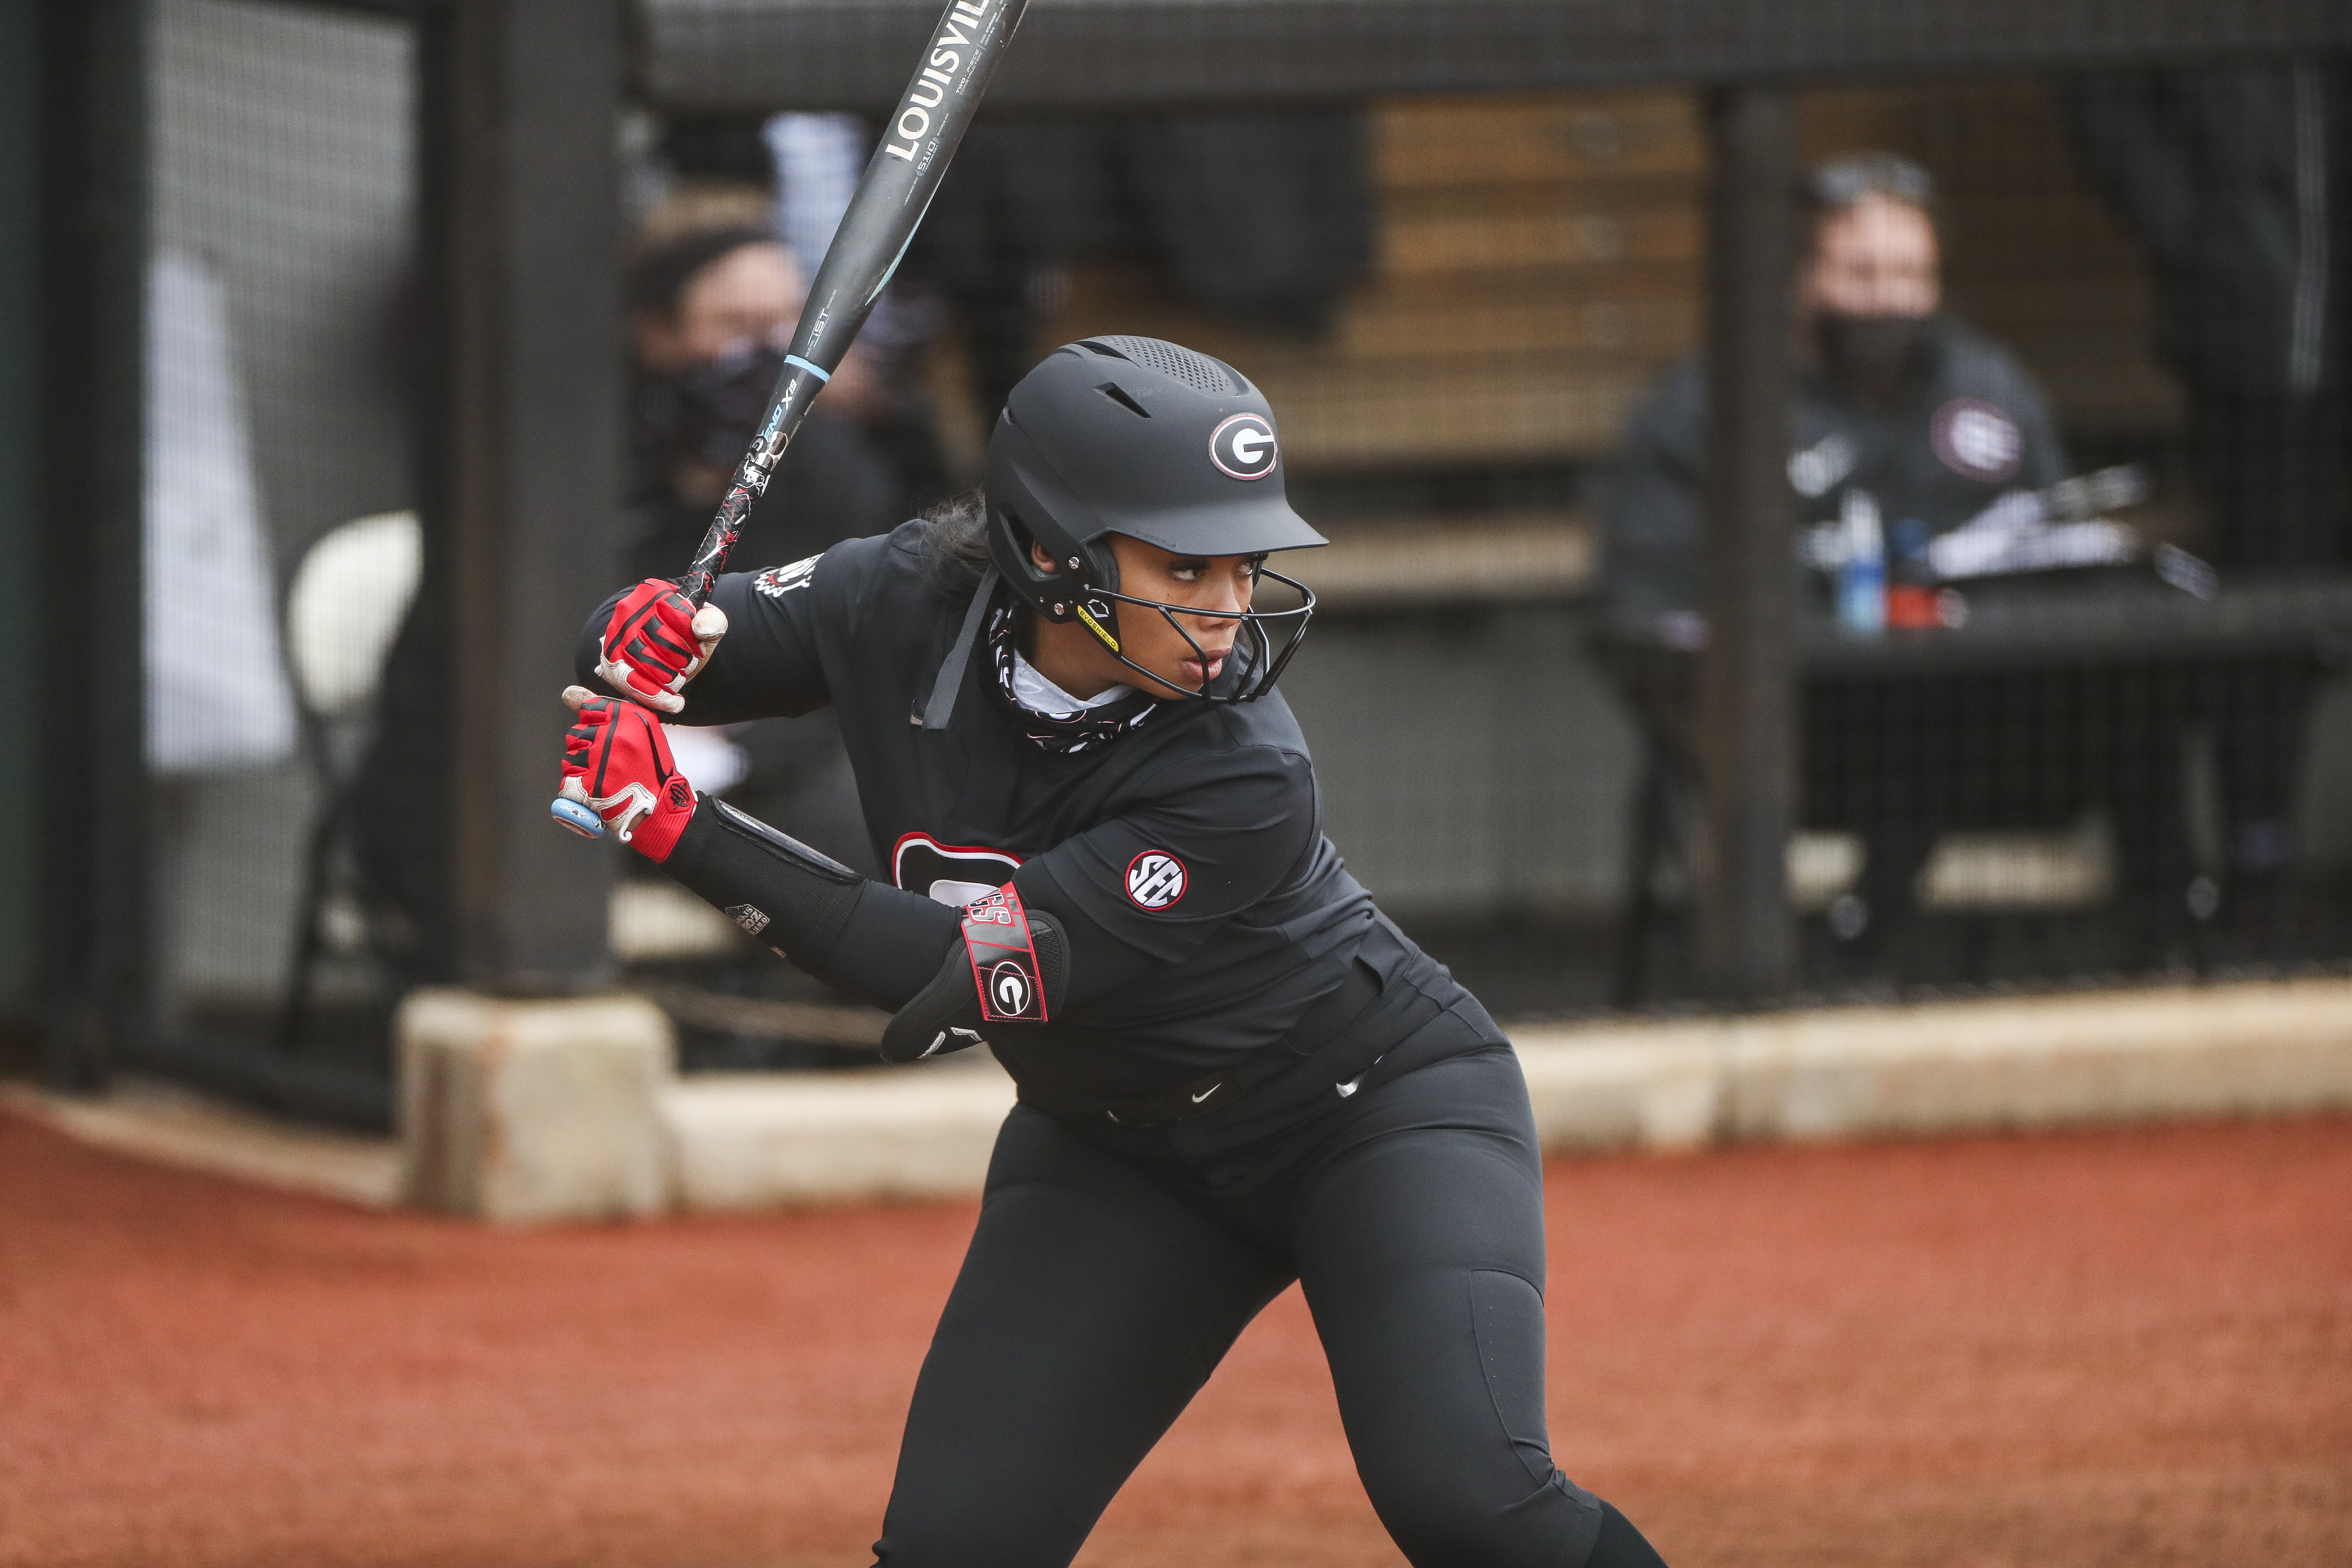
x=2067 y=468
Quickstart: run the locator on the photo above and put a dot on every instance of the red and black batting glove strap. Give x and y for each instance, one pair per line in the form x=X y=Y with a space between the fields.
x=655 y=642
x=616 y=763
x=1003 y=956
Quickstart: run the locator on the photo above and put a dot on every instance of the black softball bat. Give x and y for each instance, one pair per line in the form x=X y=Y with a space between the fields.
x=891 y=197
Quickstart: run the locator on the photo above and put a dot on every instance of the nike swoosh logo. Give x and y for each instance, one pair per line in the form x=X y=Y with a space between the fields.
x=1349 y=1086
x=1206 y=1092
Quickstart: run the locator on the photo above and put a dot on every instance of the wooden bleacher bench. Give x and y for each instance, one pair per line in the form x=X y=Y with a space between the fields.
x=1539 y=265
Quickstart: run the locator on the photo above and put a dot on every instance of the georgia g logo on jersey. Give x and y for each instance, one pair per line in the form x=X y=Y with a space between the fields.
x=1977 y=440
x=1243 y=446
x=1155 y=879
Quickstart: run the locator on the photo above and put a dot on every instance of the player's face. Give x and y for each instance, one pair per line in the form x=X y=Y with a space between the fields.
x=1073 y=659
x=1875 y=258
x=1212 y=582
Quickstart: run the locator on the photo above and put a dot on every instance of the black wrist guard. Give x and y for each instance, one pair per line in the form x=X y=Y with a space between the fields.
x=1013 y=967
x=875 y=942
x=769 y=883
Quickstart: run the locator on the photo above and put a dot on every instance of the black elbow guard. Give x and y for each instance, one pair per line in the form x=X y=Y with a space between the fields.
x=1012 y=968
x=769 y=883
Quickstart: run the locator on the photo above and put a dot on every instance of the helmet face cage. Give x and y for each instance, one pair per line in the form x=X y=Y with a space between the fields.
x=1268 y=662
x=1089 y=593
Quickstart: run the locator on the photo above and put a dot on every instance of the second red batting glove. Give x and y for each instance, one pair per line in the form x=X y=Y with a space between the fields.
x=616 y=763
x=658 y=641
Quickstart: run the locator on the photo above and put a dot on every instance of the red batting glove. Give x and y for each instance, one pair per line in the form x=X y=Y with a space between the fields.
x=658 y=641
x=616 y=763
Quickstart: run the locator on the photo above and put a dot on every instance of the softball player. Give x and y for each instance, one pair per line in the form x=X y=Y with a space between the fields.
x=1107 y=860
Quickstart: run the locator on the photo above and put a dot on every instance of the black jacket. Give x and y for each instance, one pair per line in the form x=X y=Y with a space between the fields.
x=1972 y=425
x=2232 y=178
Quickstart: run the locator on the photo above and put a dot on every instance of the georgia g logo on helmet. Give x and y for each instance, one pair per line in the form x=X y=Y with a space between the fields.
x=1243 y=446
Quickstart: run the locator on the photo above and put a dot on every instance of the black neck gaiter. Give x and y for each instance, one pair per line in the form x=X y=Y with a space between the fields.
x=1085 y=729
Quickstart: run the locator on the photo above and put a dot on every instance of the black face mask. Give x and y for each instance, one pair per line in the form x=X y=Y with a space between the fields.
x=711 y=412
x=1872 y=356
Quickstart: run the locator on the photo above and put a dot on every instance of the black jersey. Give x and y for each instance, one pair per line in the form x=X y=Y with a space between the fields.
x=1206 y=912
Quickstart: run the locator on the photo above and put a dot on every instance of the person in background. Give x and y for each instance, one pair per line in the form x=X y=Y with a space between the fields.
x=1894 y=400
x=712 y=301
x=817 y=160
x=710 y=313
x=2232 y=179
x=1894 y=397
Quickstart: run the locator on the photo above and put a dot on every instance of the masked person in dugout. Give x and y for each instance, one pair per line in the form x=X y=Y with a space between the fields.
x=711 y=309
x=1892 y=397
x=1105 y=858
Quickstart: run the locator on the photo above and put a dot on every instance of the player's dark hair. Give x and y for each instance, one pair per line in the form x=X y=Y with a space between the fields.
x=955 y=543
x=658 y=277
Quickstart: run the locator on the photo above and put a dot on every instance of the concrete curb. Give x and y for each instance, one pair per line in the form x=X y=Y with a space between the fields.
x=1939 y=1068
x=2044 y=1062
x=168 y=1125
x=639 y=1142
x=520 y=1110
x=762 y=1141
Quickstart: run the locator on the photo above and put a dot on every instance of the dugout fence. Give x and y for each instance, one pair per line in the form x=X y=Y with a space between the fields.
x=360 y=267
x=2121 y=768
x=232 y=328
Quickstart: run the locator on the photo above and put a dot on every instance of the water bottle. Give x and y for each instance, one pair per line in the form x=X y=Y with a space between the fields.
x=1862 y=579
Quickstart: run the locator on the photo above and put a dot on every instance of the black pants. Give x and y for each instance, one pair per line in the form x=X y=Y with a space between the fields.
x=1099 y=1293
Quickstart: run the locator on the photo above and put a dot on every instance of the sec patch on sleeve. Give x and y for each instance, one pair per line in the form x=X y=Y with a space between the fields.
x=1155 y=879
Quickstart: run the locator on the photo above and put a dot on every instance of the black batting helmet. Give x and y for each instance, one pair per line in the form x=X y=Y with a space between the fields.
x=1146 y=438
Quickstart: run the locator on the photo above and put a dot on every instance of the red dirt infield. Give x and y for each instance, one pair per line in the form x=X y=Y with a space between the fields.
x=2092 y=1348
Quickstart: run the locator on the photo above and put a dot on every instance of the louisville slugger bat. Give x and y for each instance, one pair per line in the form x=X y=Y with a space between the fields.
x=891 y=198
